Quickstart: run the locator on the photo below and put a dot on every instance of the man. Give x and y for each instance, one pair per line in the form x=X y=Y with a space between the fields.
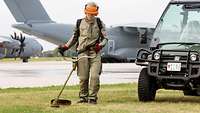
x=89 y=37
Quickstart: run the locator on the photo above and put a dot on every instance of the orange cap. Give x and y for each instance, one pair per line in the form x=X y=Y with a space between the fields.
x=91 y=10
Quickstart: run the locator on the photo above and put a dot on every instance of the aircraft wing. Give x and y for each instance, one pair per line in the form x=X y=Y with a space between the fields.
x=28 y=11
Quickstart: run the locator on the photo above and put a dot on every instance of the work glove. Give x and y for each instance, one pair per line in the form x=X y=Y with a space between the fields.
x=62 y=49
x=98 y=47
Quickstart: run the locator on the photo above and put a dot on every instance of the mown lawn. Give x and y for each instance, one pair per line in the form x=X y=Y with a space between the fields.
x=120 y=98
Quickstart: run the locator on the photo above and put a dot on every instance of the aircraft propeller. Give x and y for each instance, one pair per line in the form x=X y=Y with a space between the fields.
x=21 y=39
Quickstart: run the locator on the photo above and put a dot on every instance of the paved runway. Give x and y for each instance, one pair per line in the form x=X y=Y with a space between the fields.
x=34 y=74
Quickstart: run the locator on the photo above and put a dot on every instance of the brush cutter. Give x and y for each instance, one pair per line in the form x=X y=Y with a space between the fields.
x=56 y=102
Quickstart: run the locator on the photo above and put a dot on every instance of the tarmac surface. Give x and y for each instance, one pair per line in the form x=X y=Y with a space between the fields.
x=39 y=74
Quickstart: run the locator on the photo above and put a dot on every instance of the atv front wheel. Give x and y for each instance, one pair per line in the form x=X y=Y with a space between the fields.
x=146 y=86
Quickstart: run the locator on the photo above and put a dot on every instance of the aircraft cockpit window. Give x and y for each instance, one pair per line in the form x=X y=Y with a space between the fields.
x=111 y=46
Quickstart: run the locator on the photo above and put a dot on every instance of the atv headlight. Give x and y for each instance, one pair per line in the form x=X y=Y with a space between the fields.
x=144 y=56
x=193 y=57
x=156 y=56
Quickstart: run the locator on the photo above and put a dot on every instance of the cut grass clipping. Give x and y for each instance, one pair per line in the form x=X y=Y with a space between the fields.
x=120 y=98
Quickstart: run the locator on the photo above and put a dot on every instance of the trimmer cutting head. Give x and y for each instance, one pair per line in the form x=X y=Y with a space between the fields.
x=58 y=102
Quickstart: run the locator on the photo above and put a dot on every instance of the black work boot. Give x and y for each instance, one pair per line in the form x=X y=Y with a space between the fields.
x=92 y=101
x=82 y=100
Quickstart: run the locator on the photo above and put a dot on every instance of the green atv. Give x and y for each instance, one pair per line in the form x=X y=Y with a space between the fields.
x=173 y=59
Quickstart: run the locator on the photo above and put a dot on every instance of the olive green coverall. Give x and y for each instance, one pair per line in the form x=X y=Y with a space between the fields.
x=88 y=69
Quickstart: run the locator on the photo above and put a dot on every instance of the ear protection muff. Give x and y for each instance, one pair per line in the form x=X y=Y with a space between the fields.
x=91 y=10
x=96 y=7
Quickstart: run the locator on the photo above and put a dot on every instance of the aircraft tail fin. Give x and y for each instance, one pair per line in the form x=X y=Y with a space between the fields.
x=28 y=11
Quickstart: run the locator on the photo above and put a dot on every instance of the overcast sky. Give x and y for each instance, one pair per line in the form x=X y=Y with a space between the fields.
x=112 y=12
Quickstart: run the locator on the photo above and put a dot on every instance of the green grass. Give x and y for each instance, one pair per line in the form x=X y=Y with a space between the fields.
x=120 y=98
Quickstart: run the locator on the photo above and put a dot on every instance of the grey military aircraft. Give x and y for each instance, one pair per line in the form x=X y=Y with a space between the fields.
x=19 y=47
x=124 y=41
